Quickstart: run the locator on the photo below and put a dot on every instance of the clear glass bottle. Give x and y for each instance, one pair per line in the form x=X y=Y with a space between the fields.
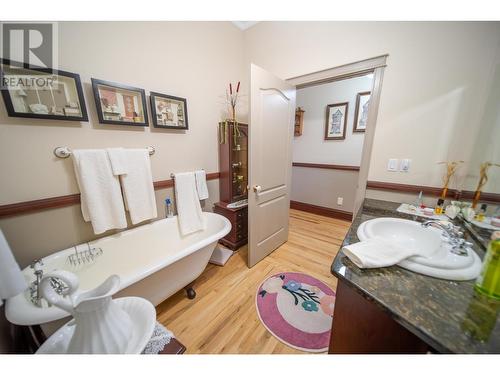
x=488 y=282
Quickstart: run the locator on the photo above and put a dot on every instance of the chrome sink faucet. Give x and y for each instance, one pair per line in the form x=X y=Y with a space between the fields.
x=453 y=235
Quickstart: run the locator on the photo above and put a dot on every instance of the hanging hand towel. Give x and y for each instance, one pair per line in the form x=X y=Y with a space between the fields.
x=376 y=252
x=137 y=184
x=189 y=211
x=118 y=160
x=201 y=184
x=101 y=196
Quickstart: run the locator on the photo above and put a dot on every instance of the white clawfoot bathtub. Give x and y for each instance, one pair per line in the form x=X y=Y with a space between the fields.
x=153 y=261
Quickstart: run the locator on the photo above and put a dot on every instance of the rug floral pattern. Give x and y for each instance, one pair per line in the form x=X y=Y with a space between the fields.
x=297 y=309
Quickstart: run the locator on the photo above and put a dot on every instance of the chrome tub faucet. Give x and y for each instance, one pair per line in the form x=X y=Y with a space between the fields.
x=34 y=289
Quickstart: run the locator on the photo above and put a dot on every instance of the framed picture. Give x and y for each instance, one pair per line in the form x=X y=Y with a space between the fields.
x=336 y=121
x=41 y=93
x=361 y=112
x=169 y=112
x=119 y=104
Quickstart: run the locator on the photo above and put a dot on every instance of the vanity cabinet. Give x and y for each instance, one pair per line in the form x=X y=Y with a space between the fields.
x=233 y=180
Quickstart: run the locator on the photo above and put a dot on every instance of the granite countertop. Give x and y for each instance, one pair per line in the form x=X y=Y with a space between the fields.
x=448 y=315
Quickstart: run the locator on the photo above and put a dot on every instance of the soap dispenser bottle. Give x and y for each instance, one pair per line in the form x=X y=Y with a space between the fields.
x=168 y=208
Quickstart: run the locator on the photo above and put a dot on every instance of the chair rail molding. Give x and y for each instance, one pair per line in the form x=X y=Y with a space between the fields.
x=37 y=205
x=431 y=190
x=326 y=166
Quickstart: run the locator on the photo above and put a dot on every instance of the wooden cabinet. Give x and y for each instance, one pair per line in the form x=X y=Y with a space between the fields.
x=238 y=236
x=233 y=180
x=233 y=161
x=362 y=327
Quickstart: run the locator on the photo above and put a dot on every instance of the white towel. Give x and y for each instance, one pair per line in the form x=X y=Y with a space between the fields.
x=101 y=196
x=201 y=184
x=189 y=211
x=377 y=252
x=137 y=184
x=118 y=160
x=12 y=281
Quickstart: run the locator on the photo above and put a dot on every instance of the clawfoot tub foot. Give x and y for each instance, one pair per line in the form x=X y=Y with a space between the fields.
x=190 y=291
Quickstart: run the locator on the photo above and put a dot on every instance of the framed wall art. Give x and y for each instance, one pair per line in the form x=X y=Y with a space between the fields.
x=169 y=112
x=41 y=93
x=119 y=104
x=361 y=111
x=336 y=121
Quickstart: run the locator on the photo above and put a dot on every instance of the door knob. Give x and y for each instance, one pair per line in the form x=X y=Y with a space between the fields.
x=257 y=189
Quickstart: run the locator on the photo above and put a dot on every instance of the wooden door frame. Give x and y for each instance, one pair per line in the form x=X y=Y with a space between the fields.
x=376 y=66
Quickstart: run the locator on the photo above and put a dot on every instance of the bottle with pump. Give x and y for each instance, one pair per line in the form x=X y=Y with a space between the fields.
x=168 y=208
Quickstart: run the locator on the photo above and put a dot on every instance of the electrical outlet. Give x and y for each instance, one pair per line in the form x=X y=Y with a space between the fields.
x=405 y=165
x=392 y=165
x=340 y=201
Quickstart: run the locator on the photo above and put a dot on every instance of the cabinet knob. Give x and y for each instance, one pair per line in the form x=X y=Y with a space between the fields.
x=257 y=189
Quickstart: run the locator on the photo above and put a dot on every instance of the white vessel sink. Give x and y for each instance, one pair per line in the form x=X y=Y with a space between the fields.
x=435 y=260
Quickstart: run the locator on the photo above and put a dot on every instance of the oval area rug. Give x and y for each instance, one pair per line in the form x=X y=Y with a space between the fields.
x=297 y=309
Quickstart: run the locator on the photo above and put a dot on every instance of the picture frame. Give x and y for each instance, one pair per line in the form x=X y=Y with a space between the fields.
x=361 y=111
x=119 y=104
x=168 y=112
x=41 y=93
x=336 y=121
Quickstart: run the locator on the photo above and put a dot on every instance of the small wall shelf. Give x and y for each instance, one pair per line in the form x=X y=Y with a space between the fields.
x=299 y=122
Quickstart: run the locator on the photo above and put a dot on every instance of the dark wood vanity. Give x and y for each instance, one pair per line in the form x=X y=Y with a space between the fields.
x=393 y=310
x=233 y=181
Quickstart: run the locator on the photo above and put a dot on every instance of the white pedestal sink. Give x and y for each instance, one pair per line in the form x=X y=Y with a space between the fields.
x=436 y=260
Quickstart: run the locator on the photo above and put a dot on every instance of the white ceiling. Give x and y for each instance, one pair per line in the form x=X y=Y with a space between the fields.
x=243 y=25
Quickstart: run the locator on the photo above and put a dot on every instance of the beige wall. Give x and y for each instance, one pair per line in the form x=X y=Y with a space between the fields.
x=434 y=89
x=487 y=145
x=192 y=60
x=311 y=147
x=321 y=187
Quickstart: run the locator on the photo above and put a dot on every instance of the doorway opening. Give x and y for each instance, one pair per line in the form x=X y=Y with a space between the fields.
x=332 y=155
x=328 y=140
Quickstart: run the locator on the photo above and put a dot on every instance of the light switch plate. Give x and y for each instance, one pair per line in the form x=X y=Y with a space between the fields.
x=392 y=165
x=405 y=165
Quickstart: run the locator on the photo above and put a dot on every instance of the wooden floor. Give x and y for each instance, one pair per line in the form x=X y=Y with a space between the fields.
x=222 y=318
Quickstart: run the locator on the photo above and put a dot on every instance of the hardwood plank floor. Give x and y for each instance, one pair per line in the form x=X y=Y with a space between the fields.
x=222 y=318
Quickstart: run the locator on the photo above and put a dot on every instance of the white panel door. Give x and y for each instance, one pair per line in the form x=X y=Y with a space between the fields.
x=272 y=116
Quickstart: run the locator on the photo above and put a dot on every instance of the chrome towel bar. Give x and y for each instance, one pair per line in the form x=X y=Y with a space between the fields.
x=172 y=175
x=65 y=152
